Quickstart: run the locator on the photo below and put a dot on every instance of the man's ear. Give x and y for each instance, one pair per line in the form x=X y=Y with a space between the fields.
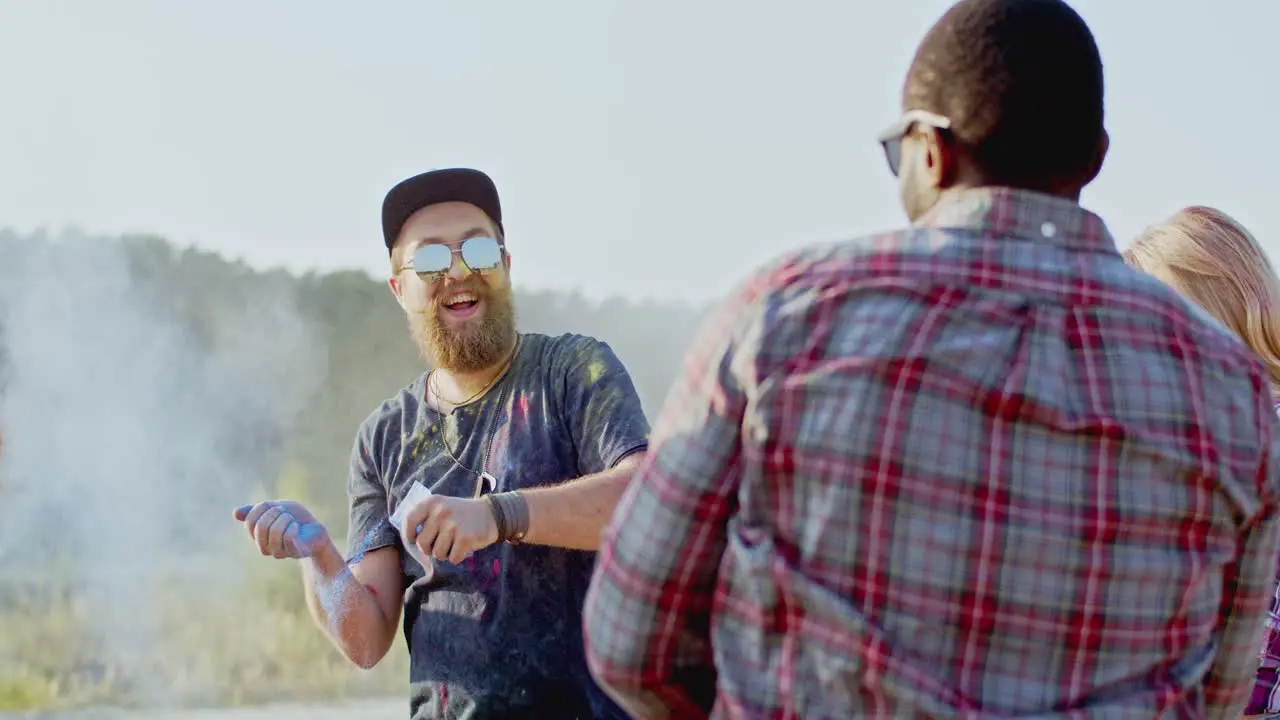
x=940 y=158
x=1100 y=155
x=396 y=289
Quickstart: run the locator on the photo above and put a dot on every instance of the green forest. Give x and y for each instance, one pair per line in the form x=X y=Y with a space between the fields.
x=145 y=389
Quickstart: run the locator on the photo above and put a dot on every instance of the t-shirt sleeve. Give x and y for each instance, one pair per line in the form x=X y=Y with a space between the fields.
x=369 y=526
x=602 y=409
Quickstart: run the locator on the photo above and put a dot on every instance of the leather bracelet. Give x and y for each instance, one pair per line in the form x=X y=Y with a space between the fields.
x=499 y=517
x=513 y=510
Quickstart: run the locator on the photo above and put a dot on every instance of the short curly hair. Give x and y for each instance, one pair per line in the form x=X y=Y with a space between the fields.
x=1021 y=81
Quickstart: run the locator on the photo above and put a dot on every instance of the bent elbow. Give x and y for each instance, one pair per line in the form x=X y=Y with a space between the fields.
x=612 y=660
x=367 y=660
x=626 y=674
x=620 y=684
x=365 y=657
x=631 y=693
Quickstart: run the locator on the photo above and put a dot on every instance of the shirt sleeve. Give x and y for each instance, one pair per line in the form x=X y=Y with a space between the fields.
x=605 y=417
x=1248 y=588
x=648 y=610
x=369 y=526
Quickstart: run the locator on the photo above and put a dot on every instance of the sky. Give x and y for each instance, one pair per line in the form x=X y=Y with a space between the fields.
x=658 y=149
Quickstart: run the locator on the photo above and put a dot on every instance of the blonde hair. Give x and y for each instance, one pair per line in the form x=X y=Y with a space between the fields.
x=1213 y=261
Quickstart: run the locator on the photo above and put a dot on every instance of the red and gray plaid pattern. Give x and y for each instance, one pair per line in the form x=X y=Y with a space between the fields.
x=977 y=467
x=1266 y=688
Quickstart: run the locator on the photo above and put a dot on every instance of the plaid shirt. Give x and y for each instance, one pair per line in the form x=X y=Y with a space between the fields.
x=976 y=467
x=1266 y=688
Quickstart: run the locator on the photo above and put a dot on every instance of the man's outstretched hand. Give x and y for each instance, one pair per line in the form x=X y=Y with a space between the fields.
x=283 y=528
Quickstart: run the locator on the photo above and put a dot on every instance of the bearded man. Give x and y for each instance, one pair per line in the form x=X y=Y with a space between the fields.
x=525 y=443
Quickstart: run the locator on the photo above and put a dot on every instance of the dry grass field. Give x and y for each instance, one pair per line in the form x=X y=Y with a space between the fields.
x=241 y=646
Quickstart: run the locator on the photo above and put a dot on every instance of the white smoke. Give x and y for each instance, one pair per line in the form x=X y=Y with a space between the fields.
x=129 y=434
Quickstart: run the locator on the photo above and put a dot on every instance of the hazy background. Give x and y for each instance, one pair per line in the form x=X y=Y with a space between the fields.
x=147 y=390
x=192 y=305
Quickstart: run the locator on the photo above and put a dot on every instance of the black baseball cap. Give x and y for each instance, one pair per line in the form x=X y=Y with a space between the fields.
x=438 y=186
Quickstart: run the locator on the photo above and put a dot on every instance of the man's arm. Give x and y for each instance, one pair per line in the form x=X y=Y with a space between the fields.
x=1246 y=596
x=357 y=606
x=356 y=602
x=1248 y=588
x=573 y=514
x=648 y=611
x=607 y=427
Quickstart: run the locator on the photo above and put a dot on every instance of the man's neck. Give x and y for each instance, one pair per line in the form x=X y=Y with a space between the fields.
x=452 y=387
x=1065 y=192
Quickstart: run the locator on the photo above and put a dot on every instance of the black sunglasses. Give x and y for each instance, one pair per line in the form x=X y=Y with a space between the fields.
x=891 y=138
x=479 y=254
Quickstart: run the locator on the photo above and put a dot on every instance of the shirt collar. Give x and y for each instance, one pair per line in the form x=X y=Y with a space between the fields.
x=1022 y=214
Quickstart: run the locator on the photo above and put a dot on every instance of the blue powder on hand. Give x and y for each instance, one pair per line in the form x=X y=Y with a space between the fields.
x=310 y=532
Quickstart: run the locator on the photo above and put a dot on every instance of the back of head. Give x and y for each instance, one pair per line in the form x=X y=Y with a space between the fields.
x=1213 y=261
x=1021 y=81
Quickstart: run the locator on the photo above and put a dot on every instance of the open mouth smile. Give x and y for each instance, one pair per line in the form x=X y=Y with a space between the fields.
x=461 y=305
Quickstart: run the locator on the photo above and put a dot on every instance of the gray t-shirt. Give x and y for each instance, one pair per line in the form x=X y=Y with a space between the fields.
x=499 y=636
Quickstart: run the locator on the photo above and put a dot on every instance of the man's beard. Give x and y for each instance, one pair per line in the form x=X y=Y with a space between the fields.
x=474 y=345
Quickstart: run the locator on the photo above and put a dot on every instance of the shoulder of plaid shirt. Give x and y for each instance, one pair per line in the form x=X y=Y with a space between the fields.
x=875 y=445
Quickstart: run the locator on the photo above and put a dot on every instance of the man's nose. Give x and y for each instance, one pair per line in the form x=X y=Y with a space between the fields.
x=458 y=269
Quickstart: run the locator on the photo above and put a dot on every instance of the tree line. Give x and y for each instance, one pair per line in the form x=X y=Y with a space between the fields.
x=354 y=353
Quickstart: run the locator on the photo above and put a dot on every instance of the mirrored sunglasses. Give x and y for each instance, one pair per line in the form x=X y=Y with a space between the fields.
x=479 y=254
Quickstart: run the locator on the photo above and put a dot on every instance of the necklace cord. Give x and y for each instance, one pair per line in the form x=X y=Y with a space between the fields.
x=492 y=430
x=433 y=386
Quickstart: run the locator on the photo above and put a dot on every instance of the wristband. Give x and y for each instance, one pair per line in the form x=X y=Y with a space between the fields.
x=511 y=515
x=499 y=518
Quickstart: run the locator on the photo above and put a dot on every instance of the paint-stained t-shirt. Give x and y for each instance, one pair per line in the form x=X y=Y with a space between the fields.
x=499 y=635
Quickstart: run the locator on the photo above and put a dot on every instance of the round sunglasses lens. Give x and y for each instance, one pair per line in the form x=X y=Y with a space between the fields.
x=432 y=259
x=481 y=253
